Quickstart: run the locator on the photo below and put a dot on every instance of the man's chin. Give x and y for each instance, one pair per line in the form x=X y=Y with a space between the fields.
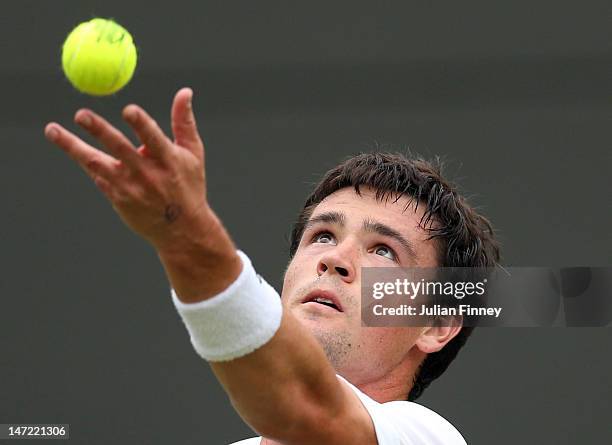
x=335 y=339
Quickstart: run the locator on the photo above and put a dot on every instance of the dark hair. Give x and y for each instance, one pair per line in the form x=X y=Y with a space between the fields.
x=463 y=237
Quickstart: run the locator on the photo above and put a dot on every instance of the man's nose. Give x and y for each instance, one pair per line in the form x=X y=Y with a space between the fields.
x=335 y=263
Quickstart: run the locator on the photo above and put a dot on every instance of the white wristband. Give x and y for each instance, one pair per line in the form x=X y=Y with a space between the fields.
x=235 y=322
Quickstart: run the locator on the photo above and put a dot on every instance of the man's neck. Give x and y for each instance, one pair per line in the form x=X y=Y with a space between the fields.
x=395 y=384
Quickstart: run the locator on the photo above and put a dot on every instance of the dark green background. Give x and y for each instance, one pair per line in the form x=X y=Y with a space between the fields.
x=514 y=95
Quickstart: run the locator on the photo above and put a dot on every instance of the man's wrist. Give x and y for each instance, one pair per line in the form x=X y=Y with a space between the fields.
x=202 y=266
x=235 y=322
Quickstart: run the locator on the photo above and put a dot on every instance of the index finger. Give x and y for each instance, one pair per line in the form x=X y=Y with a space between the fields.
x=147 y=131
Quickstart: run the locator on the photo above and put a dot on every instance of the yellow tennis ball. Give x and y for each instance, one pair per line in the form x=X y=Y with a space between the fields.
x=99 y=57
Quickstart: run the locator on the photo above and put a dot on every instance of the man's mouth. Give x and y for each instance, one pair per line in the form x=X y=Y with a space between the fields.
x=324 y=298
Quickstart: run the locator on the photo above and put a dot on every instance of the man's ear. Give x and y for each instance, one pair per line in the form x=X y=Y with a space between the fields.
x=433 y=338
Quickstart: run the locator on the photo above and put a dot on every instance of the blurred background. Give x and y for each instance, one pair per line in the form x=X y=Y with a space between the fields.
x=515 y=96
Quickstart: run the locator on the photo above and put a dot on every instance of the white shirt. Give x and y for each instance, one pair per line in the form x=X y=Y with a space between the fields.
x=401 y=423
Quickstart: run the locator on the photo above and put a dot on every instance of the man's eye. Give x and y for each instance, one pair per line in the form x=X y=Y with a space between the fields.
x=323 y=237
x=386 y=252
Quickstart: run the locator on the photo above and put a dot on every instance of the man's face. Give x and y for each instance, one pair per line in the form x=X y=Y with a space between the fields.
x=345 y=233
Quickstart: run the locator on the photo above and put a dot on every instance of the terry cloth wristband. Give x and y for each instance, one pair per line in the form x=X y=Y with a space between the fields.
x=236 y=321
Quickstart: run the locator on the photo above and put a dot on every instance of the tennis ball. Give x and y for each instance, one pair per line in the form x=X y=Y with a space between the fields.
x=99 y=57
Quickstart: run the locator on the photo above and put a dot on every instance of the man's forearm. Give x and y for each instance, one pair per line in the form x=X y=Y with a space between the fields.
x=286 y=390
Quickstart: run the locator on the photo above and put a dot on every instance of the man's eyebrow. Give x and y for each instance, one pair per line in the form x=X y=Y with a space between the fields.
x=327 y=217
x=369 y=225
x=384 y=230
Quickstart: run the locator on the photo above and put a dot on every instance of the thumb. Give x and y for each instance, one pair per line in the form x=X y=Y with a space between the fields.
x=184 y=125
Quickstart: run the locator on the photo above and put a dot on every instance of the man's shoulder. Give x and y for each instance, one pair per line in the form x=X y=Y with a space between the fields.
x=414 y=420
x=407 y=422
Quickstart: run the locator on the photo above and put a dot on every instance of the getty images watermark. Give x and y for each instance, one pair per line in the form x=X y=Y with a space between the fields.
x=510 y=297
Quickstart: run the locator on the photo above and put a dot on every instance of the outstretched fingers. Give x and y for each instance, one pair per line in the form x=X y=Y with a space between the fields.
x=113 y=140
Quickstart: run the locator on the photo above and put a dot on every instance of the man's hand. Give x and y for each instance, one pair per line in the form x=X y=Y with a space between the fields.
x=159 y=191
x=156 y=188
